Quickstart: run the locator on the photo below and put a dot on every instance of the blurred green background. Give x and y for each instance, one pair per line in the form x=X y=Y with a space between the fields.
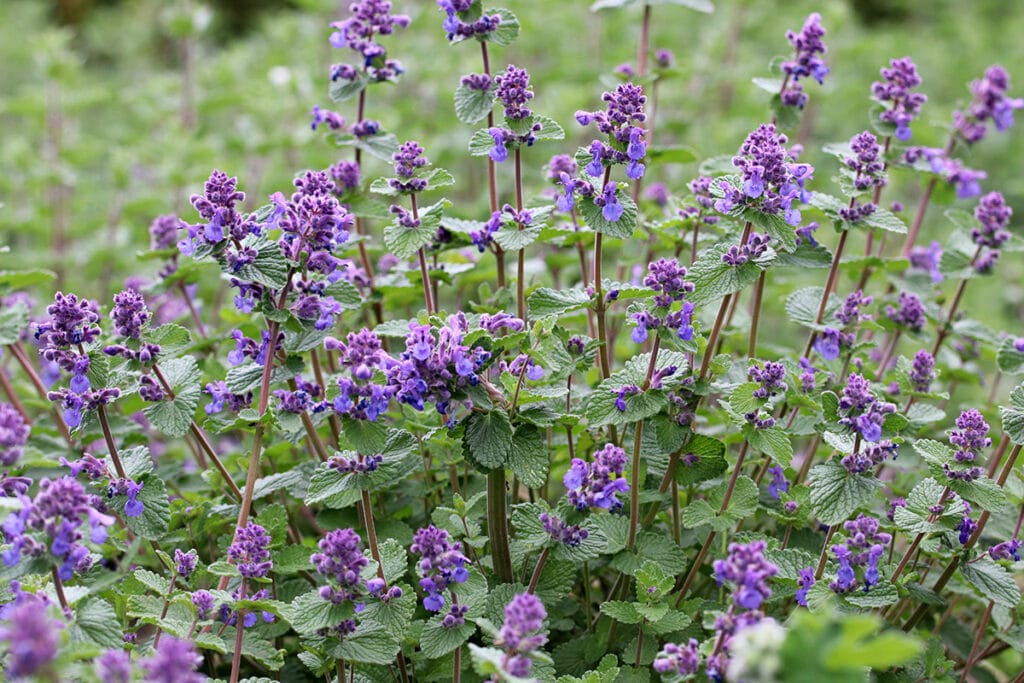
x=99 y=134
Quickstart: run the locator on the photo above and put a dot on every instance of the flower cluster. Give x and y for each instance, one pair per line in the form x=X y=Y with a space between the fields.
x=314 y=225
x=59 y=510
x=863 y=548
x=31 y=636
x=432 y=370
x=869 y=456
x=860 y=411
x=216 y=206
x=458 y=23
x=442 y=564
x=369 y=19
x=771 y=376
x=772 y=179
x=831 y=342
x=678 y=659
x=306 y=397
x=702 y=212
x=970 y=437
x=908 y=313
x=665 y=277
x=520 y=634
x=990 y=103
x=622 y=122
x=221 y=396
x=748 y=571
x=597 y=484
x=754 y=248
x=250 y=551
x=14 y=433
x=808 y=45
x=867 y=170
x=895 y=90
x=922 y=371
x=561 y=532
x=993 y=214
x=173 y=662
x=341 y=559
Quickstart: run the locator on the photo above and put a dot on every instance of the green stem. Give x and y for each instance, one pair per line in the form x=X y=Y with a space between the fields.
x=497 y=525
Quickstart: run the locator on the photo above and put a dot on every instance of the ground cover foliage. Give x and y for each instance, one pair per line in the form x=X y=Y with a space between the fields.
x=550 y=396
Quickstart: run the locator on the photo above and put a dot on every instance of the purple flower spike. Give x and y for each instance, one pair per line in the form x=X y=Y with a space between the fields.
x=748 y=571
x=251 y=551
x=520 y=634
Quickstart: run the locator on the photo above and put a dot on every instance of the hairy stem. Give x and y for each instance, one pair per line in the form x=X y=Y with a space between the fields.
x=535 y=577
x=497 y=525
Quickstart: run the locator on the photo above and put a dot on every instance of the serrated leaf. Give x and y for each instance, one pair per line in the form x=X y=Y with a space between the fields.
x=773 y=442
x=992 y=581
x=343 y=90
x=152 y=524
x=1013 y=416
x=97 y=622
x=269 y=268
x=545 y=301
x=437 y=641
x=372 y=645
x=622 y=228
x=488 y=439
x=713 y=279
x=13 y=319
x=528 y=458
x=622 y=612
x=173 y=417
x=1010 y=360
x=508 y=29
x=710 y=463
x=472 y=106
x=802 y=308
x=836 y=494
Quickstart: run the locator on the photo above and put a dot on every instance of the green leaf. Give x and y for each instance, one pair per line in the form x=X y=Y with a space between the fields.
x=173 y=416
x=511 y=238
x=13 y=319
x=406 y=242
x=601 y=409
x=884 y=219
x=881 y=652
x=882 y=595
x=488 y=439
x=545 y=301
x=472 y=106
x=622 y=612
x=368 y=645
x=312 y=613
x=992 y=581
x=742 y=400
x=437 y=641
x=713 y=279
x=480 y=143
x=508 y=29
x=651 y=547
x=22 y=279
x=802 y=308
x=710 y=454
x=623 y=227
x=270 y=268
x=1013 y=416
x=528 y=459
x=97 y=622
x=152 y=524
x=549 y=128
x=338 y=490
x=1010 y=360
x=672 y=155
x=836 y=494
x=773 y=442
x=365 y=436
x=343 y=90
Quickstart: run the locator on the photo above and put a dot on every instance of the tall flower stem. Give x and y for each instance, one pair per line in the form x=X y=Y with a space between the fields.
x=638 y=434
x=946 y=575
x=101 y=412
x=641 y=67
x=887 y=357
x=201 y=438
x=58 y=420
x=492 y=180
x=58 y=587
x=364 y=257
x=318 y=372
x=535 y=577
x=5 y=384
x=957 y=298
x=200 y=328
x=830 y=284
x=236 y=658
x=167 y=604
x=823 y=558
x=521 y=256
x=755 y=318
x=497 y=525
x=424 y=273
x=699 y=560
x=971 y=661
x=716 y=329
x=922 y=207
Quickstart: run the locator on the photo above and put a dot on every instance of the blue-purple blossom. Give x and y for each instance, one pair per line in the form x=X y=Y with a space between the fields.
x=129 y=313
x=514 y=92
x=1007 y=550
x=899 y=79
x=59 y=510
x=678 y=659
x=830 y=342
x=203 y=601
x=772 y=180
x=173 y=662
x=970 y=435
x=806 y=62
x=922 y=371
x=622 y=122
x=771 y=376
x=597 y=484
x=114 y=666
x=850 y=312
x=863 y=548
x=221 y=396
x=860 y=411
x=993 y=213
x=306 y=397
x=561 y=532
x=869 y=456
x=341 y=559
x=332 y=119
x=611 y=209
x=928 y=259
x=990 y=103
x=457 y=25
x=442 y=564
x=185 y=563
x=250 y=551
x=14 y=433
x=314 y=225
x=31 y=637
x=748 y=571
x=779 y=484
x=520 y=634
x=133 y=507
x=804 y=583
x=909 y=313
x=967 y=525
